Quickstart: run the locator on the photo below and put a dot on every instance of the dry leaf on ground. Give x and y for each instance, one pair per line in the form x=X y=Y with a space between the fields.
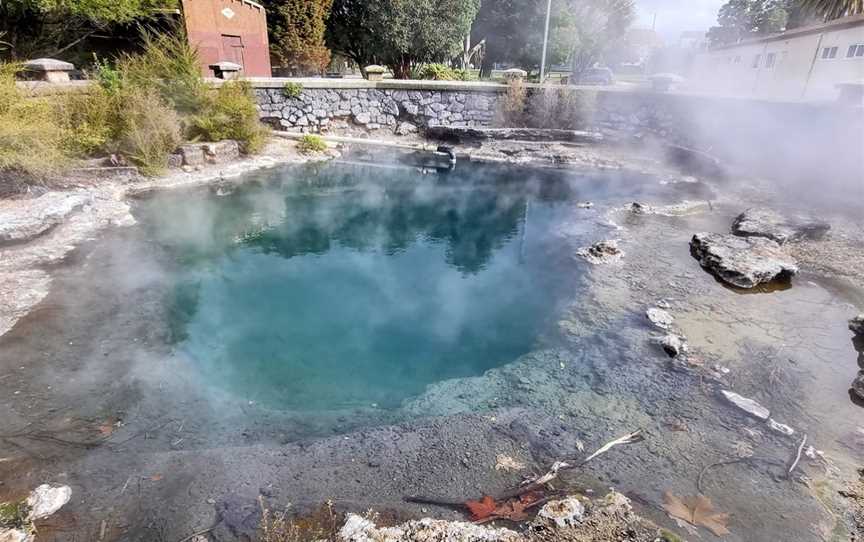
x=697 y=510
x=481 y=509
x=515 y=509
x=507 y=463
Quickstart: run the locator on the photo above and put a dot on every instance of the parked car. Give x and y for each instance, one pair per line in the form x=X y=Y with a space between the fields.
x=597 y=76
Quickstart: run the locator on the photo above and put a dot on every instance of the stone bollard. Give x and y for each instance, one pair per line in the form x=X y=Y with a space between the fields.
x=375 y=72
x=49 y=69
x=514 y=73
x=226 y=70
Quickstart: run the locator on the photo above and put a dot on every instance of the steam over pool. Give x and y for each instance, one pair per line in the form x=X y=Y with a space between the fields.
x=348 y=285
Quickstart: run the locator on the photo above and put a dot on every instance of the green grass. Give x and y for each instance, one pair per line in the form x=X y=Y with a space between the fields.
x=310 y=143
x=292 y=90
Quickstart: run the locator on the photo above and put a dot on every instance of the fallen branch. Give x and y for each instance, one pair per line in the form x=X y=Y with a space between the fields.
x=797 y=458
x=632 y=438
x=538 y=483
x=710 y=466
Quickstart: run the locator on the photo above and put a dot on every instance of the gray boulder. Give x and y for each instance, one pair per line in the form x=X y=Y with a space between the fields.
x=660 y=318
x=602 y=252
x=856 y=325
x=858 y=385
x=744 y=262
x=761 y=222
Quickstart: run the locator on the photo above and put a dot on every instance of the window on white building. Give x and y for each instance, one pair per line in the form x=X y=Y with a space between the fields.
x=756 y=60
x=770 y=58
x=737 y=59
x=829 y=53
x=855 y=50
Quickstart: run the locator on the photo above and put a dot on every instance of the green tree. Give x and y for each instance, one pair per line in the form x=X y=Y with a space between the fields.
x=512 y=30
x=400 y=33
x=741 y=19
x=581 y=31
x=31 y=28
x=593 y=28
x=833 y=9
x=297 y=30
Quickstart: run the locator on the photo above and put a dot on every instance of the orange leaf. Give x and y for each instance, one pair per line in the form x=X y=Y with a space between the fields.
x=156 y=477
x=698 y=510
x=481 y=509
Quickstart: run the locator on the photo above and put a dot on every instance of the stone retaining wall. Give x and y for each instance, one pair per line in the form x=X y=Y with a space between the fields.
x=399 y=111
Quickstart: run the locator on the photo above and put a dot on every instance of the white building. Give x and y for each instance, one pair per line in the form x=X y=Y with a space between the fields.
x=801 y=64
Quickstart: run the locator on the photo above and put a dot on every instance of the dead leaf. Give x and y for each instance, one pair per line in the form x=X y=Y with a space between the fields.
x=697 y=510
x=481 y=509
x=507 y=463
x=515 y=509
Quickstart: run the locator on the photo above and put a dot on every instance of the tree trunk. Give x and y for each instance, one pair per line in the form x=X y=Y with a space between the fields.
x=486 y=66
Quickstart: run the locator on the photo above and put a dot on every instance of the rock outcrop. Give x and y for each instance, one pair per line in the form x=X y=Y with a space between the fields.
x=23 y=223
x=660 y=318
x=602 y=252
x=608 y=518
x=858 y=385
x=761 y=222
x=856 y=325
x=744 y=262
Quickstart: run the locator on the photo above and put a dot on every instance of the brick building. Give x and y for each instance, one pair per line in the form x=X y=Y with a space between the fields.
x=229 y=31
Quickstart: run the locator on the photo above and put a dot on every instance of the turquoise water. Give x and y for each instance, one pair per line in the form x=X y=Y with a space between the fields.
x=345 y=285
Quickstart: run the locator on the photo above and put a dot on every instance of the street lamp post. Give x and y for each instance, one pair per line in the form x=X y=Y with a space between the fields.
x=545 y=42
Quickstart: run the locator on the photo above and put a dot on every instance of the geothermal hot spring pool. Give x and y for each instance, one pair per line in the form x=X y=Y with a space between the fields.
x=346 y=285
x=360 y=329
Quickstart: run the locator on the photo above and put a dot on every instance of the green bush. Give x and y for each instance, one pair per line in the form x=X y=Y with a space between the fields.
x=439 y=72
x=292 y=90
x=91 y=119
x=169 y=65
x=230 y=113
x=31 y=139
x=149 y=130
x=108 y=76
x=310 y=143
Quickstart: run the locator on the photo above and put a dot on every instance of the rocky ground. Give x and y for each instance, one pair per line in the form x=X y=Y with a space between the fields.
x=140 y=471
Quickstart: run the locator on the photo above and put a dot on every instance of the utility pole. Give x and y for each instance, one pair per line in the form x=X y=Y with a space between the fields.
x=545 y=41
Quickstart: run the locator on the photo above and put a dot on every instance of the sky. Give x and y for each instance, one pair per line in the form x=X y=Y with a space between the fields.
x=676 y=16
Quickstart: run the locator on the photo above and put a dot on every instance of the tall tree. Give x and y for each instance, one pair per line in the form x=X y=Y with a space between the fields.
x=581 y=31
x=400 y=33
x=512 y=30
x=31 y=28
x=742 y=19
x=349 y=32
x=833 y=9
x=297 y=34
x=594 y=28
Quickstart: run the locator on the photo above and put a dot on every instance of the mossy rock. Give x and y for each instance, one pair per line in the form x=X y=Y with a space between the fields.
x=14 y=515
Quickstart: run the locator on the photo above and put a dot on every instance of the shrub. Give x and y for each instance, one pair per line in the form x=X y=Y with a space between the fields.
x=169 y=65
x=108 y=76
x=292 y=90
x=31 y=139
x=230 y=113
x=439 y=72
x=91 y=119
x=561 y=107
x=511 y=108
x=309 y=144
x=149 y=130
